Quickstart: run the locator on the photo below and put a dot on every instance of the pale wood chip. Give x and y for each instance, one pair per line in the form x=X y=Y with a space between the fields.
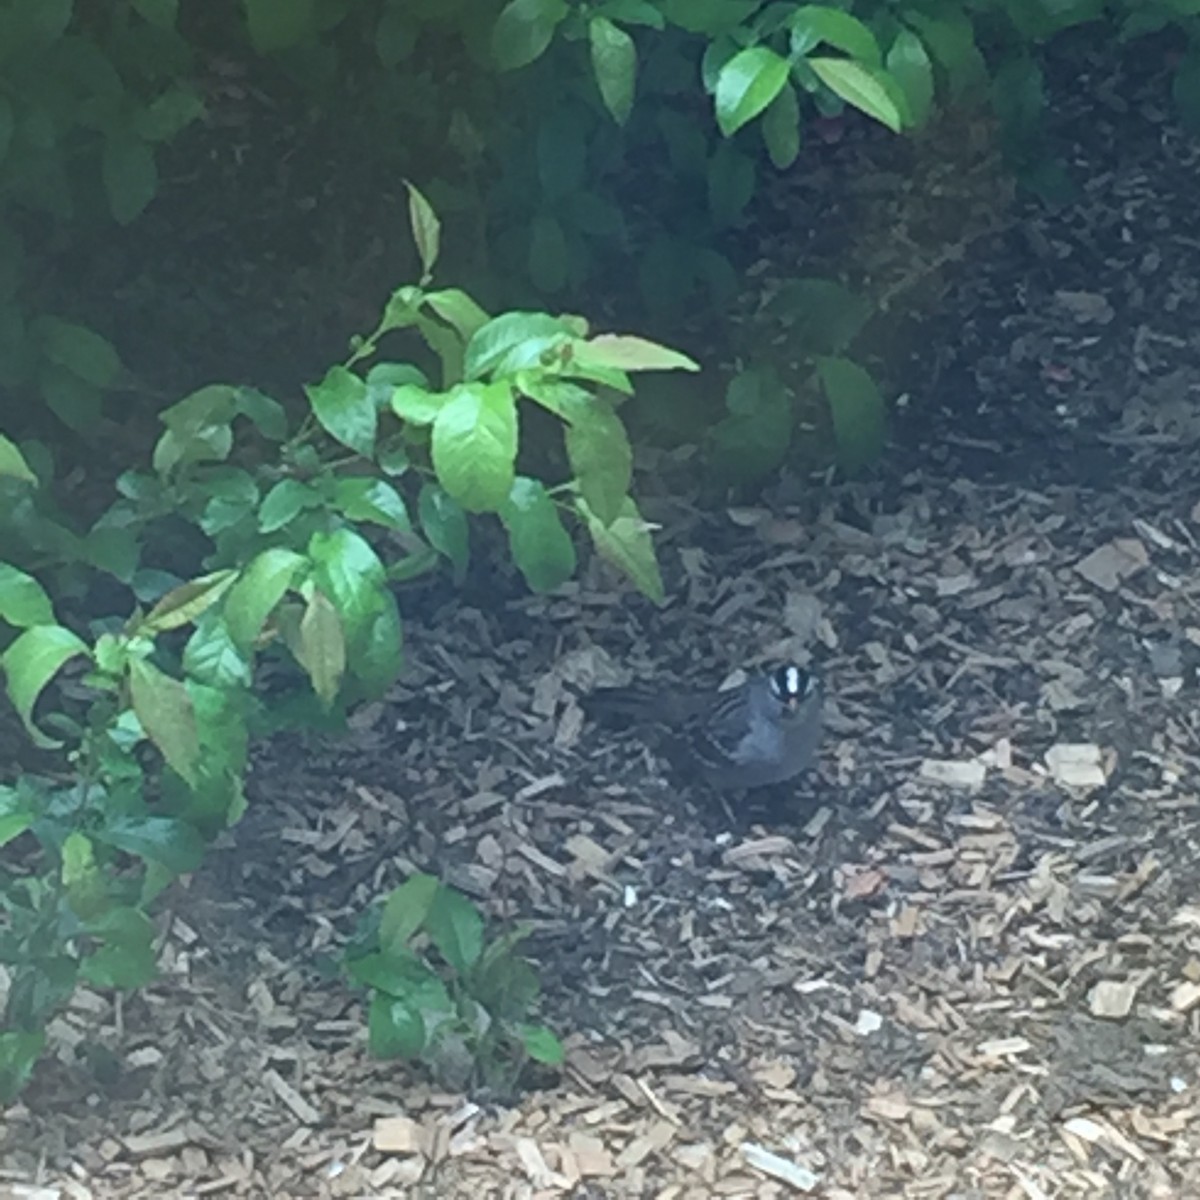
x=965 y=773
x=398 y=1135
x=794 y=1174
x=292 y=1098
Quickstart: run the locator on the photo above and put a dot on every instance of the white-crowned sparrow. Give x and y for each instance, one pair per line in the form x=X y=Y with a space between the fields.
x=762 y=732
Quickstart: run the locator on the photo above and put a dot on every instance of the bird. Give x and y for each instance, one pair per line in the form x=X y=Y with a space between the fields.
x=762 y=732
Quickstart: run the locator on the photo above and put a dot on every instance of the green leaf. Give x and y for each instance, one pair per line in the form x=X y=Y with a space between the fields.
x=523 y=30
x=266 y=414
x=910 y=67
x=198 y=428
x=405 y=910
x=29 y=663
x=164 y=708
x=360 y=498
x=455 y=928
x=214 y=658
x=514 y=341
x=600 y=455
x=13 y=464
x=418 y=405
x=548 y=264
x=284 y=502
x=445 y=525
x=629 y=353
x=19 y=1052
x=171 y=843
x=401 y=975
x=868 y=89
x=349 y=572
x=342 y=405
x=541 y=1044
x=130 y=176
x=394 y=1028
x=186 y=603
x=457 y=309
x=124 y=967
x=321 y=649
x=626 y=543
x=279 y=24
x=614 y=64
x=474 y=445
x=16 y=813
x=541 y=547
x=813 y=24
x=857 y=410
x=781 y=128
x=233 y=501
x=23 y=601
x=426 y=229
x=747 y=83
x=77 y=349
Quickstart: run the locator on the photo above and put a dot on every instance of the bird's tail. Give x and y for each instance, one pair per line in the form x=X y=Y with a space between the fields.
x=621 y=707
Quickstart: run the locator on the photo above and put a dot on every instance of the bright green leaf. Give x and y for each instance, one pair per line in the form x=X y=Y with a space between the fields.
x=341 y=404
x=868 y=89
x=514 y=341
x=417 y=405
x=30 y=662
x=13 y=464
x=747 y=83
x=541 y=547
x=23 y=601
x=456 y=308
x=474 y=445
x=813 y=24
x=629 y=353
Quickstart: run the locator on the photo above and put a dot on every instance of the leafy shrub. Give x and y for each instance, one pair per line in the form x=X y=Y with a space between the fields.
x=467 y=1017
x=289 y=576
